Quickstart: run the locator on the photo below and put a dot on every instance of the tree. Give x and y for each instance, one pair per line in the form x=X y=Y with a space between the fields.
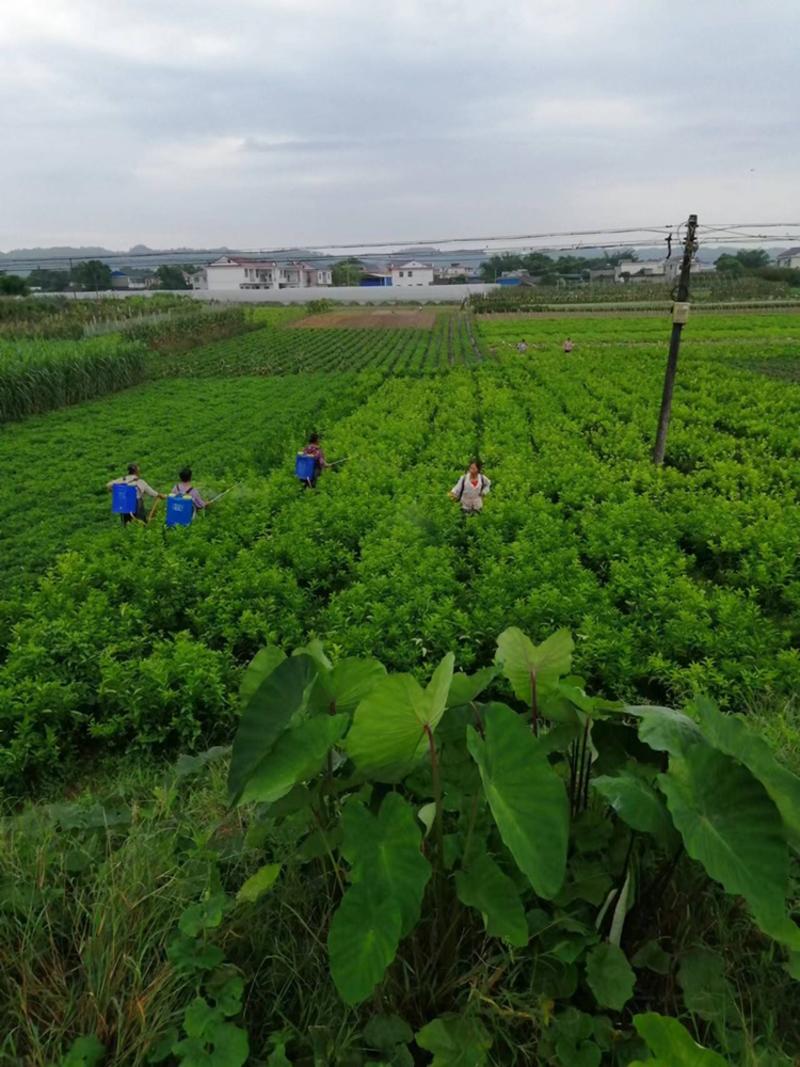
x=347 y=271
x=49 y=281
x=13 y=285
x=753 y=258
x=730 y=265
x=170 y=276
x=92 y=275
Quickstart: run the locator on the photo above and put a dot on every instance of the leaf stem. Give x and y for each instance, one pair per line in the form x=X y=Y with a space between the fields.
x=534 y=706
x=437 y=797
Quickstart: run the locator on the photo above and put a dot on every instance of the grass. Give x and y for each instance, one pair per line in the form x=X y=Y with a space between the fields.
x=89 y=904
x=86 y=914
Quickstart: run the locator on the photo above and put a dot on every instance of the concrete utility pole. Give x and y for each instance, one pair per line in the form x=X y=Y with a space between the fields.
x=680 y=315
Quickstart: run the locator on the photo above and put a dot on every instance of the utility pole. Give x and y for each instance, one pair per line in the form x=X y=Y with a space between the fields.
x=680 y=316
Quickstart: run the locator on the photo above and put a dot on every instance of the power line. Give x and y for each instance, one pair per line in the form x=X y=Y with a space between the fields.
x=719 y=233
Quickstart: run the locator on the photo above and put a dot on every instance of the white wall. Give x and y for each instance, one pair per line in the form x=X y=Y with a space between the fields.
x=345 y=294
x=418 y=276
x=224 y=278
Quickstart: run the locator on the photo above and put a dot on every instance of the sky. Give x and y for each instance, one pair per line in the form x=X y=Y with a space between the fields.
x=268 y=123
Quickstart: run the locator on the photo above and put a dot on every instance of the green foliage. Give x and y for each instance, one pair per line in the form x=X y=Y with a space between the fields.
x=392 y=726
x=671 y=1045
x=13 y=285
x=455 y=1041
x=85 y=1052
x=394 y=889
x=483 y=886
x=526 y=797
x=610 y=976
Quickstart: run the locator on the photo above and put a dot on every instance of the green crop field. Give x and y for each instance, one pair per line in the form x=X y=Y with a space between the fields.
x=577 y=848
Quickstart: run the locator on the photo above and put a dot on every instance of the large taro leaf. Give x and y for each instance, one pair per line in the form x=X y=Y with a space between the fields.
x=388 y=734
x=732 y=736
x=637 y=804
x=363 y=940
x=665 y=729
x=671 y=1044
x=296 y=756
x=464 y=688
x=527 y=798
x=280 y=695
x=384 y=851
x=730 y=824
x=343 y=687
x=455 y=1041
x=610 y=976
x=526 y=664
x=260 y=666
x=483 y=886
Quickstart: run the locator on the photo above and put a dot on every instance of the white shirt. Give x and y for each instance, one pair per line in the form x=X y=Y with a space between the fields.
x=139 y=483
x=468 y=495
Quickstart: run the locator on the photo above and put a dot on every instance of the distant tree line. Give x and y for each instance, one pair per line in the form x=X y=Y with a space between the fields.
x=755 y=262
x=547 y=268
x=90 y=276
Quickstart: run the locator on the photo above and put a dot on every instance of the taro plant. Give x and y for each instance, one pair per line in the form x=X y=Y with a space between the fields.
x=458 y=837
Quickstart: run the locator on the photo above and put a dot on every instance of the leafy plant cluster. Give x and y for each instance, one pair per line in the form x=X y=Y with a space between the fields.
x=497 y=871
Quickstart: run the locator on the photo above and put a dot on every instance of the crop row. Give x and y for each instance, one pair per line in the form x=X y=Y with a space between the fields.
x=276 y=349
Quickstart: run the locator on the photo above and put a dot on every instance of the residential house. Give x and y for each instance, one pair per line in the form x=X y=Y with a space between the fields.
x=119 y=280
x=412 y=273
x=647 y=270
x=789 y=258
x=239 y=272
x=452 y=271
x=196 y=280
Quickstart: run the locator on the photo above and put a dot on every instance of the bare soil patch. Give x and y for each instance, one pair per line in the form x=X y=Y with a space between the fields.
x=373 y=319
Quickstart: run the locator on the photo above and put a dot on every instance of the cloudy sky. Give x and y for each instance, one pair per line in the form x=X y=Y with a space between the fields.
x=257 y=123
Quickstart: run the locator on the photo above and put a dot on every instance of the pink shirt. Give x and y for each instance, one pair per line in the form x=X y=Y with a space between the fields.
x=187 y=489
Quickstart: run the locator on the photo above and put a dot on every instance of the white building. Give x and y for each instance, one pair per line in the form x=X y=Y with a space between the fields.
x=238 y=272
x=412 y=273
x=647 y=270
x=197 y=280
x=789 y=258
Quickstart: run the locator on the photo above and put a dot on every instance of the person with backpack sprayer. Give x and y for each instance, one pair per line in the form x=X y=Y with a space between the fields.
x=471 y=488
x=311 y=462
x=187 y=491
x=134 y=479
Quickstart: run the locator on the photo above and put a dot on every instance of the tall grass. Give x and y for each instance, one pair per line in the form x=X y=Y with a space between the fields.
x=37 y=376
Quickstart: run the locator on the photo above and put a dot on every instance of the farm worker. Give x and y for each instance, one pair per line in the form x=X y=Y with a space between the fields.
x=133 y=477
x=522 y=346
x=568 y=346
x=471 y=488
x=185 y=488
x=313 y=448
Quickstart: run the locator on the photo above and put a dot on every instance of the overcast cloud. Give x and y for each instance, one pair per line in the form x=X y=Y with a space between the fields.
x=258 y=123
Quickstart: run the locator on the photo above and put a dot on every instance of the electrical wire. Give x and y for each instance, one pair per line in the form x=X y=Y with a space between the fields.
x=719 y=233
